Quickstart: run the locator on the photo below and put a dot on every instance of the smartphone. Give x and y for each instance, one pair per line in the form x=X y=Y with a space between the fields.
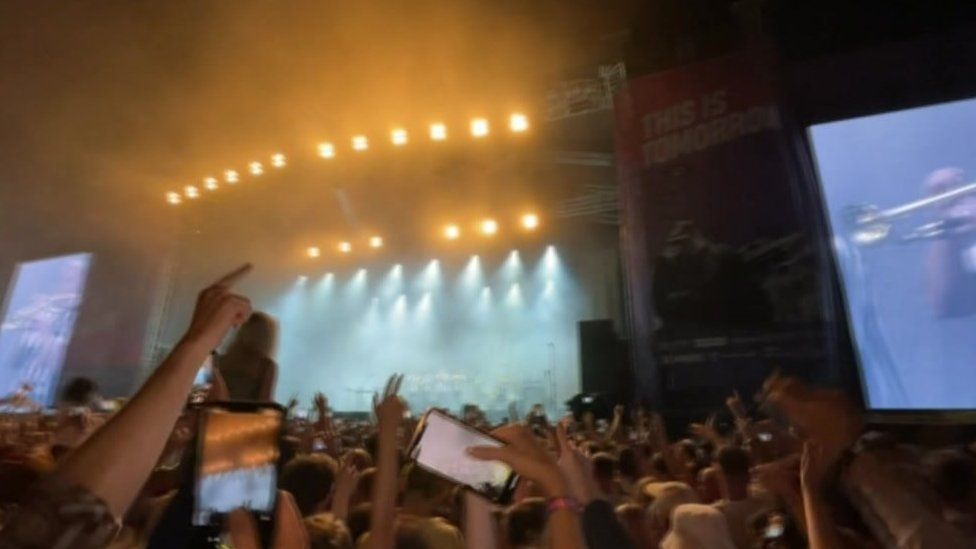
x=440 y=446
x=205 y=373
x=765 y=437
x=238 y=458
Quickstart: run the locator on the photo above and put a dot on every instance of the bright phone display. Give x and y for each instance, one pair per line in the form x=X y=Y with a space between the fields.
x=440 y=446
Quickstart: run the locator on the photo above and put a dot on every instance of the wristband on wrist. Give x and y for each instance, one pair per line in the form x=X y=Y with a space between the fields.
x=563 y=503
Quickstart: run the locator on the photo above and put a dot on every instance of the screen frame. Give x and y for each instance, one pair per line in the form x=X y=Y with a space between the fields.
x=266 y=519
x=908 y=416
x=12 y=283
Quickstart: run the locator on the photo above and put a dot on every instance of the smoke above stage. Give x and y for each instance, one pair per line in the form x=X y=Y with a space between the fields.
x=491 y=331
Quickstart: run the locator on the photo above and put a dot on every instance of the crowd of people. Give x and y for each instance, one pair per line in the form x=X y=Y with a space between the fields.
x=799 y=470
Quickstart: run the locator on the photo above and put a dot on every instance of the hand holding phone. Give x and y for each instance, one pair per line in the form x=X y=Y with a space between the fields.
x=237 y=464
x=441 y=447
x=527 y=457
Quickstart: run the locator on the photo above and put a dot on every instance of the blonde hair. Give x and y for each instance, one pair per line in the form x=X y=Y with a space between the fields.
x=257 y=336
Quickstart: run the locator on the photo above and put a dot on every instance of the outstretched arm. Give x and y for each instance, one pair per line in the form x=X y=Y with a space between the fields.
x=389 y=414
x=116 y=460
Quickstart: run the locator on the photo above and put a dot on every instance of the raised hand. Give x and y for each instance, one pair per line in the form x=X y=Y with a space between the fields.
x=292 y=405
x=321 y=404
x=218 y=309
x=814 y=466
x=347 y=478
x=577 y=468
x=706 y=430
x=826 y=416
x=289 y=531
x=390 y=408
x=618 y=412
x=735 y=405
x=527 y=457
x=780 y=477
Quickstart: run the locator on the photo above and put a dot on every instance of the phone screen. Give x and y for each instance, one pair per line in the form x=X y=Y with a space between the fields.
x=441 y=448
x=237 y=463
x=205 y=373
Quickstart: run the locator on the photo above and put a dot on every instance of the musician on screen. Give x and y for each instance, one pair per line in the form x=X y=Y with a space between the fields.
x=951 y=258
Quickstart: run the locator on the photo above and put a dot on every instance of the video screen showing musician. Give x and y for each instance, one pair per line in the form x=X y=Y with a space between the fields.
x=41 y=308
x=900 y=190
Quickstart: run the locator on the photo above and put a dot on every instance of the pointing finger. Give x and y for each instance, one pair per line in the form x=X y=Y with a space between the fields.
x=233 y=277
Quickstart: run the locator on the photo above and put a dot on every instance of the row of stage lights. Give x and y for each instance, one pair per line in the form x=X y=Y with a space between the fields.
x=549 y=262
x=399 y=137
x=487 y=227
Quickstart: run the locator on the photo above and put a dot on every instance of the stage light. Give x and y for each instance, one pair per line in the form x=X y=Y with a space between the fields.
x=471 y=275
x=302 y=279
x=438 y=131
x=360 y=143
x=452 y=232
x=397 y=269
x=174 y=198
x=424 y=304
x=430 y=277
x=313 y=252
x=255 y=168
x=278 y=160
x=345 y=247
x=530 y=221
x=231 y=176
x=399 y=137
x=550 y=262
x=479 y=127
x=191 y=192
x=326 y=150
x=399 y=308
x=514 y=295
x=489 y=227
x=518 y=122
x=210 y=183
x=375 y=242
x=512 y=268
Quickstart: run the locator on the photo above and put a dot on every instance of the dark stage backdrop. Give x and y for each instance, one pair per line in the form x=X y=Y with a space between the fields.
x=724 y=276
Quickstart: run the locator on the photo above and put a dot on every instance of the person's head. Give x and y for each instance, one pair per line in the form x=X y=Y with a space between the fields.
x=409 y=535
x=659 y=467
x=953 y=475
x=733 y=472
x=309 y=478
x=604 y=468
x=80 y=391
x=943 y=180
x=697 y=526
x=361 y=459
x=364 y=487
x=525 y=523
x=423 y=489
x=327 y=532
x=628 y=464
x=631 y=517
x=358 y=520
x=665 y=496
x=258 y=335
